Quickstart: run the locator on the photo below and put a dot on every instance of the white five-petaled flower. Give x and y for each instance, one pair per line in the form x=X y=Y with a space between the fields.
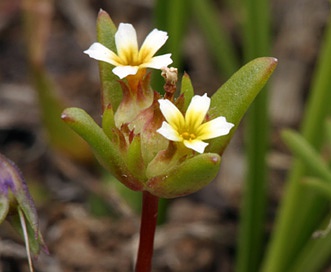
x=129 y=59
x=190 y=130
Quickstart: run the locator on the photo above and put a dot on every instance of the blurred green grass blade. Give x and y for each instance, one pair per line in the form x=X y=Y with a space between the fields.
x=37 y=16
x=256 y=28
x=300 y=202
x=161 y=14
x=321 y=186
x=253 y=206
x=328 y=131
x=61 y=137
x=219 y=42
x=305 y=152
x=318 y=106
x=172 y=16
x=316 y=254
x=176 y=26
x=256 y=31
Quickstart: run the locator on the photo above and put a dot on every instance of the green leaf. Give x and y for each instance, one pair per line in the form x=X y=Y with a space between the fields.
x=328 y=130
x=303 y=150
x=111 y=89
x=4 y=207
x=36 y=242
x=315 y=255
x=298 y=201
x=60 y=136
x=255 y=26
x=321 y=186
x=187 y=178
x=108 y=123
x=105 y=151
x=134 y=158
x=234 y=97
x=172 y=16
x=186 y=90
x=220 y=45
x=36 y=28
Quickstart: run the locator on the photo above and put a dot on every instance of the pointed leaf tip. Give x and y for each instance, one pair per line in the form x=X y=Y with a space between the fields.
x=65 y=117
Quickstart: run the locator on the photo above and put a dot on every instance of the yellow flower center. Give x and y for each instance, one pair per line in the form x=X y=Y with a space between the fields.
x=133 y=58
x=130 y=58
x=188 y=136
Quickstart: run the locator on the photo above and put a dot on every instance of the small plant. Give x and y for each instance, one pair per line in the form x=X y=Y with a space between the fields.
x=156 y=142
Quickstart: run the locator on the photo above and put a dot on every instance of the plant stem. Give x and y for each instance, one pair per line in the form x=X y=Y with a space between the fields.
x=147 y=231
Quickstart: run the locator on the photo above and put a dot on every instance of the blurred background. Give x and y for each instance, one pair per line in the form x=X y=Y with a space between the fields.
x=87 y=222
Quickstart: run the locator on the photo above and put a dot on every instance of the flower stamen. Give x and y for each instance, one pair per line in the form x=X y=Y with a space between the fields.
x=188 y=136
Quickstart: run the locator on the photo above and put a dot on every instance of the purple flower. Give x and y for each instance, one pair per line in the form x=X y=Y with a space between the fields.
x=16 y=205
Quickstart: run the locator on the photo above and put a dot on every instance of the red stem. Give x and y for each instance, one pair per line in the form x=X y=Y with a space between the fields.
x=147 y=231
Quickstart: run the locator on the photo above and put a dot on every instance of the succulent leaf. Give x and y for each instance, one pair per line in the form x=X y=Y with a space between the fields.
x=188 y=177
x=234 y=97
x=105 y=151
x=111 y=90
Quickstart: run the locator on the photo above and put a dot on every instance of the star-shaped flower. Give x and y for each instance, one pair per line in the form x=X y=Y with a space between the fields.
x=129 y=59
x=190 y=130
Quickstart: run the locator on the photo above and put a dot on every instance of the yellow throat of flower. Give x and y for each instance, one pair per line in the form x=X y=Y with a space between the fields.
x=188 y=136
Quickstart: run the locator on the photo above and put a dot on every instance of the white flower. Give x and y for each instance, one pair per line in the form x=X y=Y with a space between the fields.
x=190 y=130
x=129 y=59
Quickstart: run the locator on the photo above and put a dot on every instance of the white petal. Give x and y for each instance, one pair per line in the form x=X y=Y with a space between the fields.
x=123 y=71
x=158 y=62
x=100 y=52
x=169 y=132
x=214 y=128
x=152 y=43
x=172 y=114
x=126 y=41
x=196 y=145
x=197 y=110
